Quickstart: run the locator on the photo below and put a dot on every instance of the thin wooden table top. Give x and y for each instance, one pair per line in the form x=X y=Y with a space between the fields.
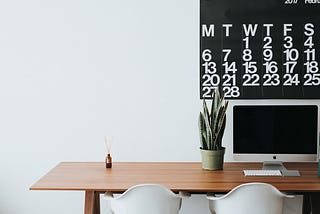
x=178 y=176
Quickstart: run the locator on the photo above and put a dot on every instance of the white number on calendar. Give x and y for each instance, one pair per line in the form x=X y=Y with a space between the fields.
x=251 y=80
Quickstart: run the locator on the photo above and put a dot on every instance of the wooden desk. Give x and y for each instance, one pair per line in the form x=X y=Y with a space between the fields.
x=94 y=178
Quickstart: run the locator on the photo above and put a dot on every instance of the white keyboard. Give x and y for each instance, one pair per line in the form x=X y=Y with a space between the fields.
x=262 y=172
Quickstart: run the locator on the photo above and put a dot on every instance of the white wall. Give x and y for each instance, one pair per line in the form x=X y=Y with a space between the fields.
x=72 y=71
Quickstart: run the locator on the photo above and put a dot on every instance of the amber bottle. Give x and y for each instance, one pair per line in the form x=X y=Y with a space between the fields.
x=108 y=161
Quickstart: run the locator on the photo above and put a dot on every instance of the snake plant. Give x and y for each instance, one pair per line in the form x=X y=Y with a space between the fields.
x=212 y=122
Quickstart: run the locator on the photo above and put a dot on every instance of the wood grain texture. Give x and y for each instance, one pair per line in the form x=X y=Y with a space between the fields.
x=178 y=176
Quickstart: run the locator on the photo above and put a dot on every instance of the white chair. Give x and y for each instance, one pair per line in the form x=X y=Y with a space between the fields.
x=249 y=198
x=145 y=199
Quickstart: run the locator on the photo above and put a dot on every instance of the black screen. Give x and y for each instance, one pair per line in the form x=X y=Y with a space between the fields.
x=289 y=129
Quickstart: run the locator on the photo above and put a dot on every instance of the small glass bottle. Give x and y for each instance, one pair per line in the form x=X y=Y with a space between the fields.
x=108 y=161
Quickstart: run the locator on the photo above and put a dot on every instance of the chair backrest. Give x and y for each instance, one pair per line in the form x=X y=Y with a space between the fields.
x=146 y=199
x=249 y=198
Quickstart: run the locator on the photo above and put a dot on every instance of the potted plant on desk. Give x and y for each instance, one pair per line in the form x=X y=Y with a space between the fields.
x=211 y=127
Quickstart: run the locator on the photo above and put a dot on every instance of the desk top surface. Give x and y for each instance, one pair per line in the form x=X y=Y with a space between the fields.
x=178 y=176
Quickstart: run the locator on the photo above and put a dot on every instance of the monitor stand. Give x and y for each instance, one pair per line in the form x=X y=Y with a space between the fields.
x=278 y=165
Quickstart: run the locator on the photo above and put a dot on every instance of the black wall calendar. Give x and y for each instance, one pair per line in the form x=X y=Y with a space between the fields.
x=260 y=49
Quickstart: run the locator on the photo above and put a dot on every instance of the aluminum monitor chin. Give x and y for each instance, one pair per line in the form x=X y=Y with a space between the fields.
x=287 y=133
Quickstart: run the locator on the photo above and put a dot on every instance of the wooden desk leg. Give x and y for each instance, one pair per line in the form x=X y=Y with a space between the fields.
x=306 y=208
x=311 y=203
x=96 y=203
x=92 y=203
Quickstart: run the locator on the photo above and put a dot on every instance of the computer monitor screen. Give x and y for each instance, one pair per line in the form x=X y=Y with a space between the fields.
x=275 y=133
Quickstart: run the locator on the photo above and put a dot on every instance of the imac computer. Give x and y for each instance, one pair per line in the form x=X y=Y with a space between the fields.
x=275 y=133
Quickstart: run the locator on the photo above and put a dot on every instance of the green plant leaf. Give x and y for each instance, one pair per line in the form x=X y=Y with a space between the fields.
x=205 y=110
x=213 y=107
x=202 y=131
x=212 y=123
x=220 y=124
x=208 y=133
